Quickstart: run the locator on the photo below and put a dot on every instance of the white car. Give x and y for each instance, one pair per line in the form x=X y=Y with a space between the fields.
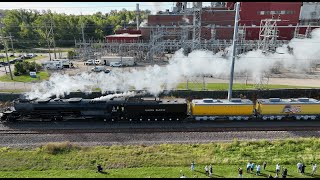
x=98 y=69
x=89 y=62
x=115 y=64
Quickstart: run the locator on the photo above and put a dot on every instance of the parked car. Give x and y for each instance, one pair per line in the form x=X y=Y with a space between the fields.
x=115 y=64
x=107 y=71
x=89 y=62
x=4 y=63
x=12 y=61
x=98 y=69
x=97 y=62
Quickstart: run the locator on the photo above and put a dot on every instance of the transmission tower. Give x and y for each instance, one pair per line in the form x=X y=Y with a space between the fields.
x=241 y=38
x=197 y=7
x=268 y=34
x=302 y=36
x=50 y=37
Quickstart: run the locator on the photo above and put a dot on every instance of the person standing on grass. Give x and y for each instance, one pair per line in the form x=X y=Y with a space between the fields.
x=314 y=169
x=252 y=167
x=207 y=170
x=299 y=166
x=264 y=165
x=210 y=170
x=303 y=168
x=248 y=167
x=258 y=170
x=284 y=173
x=277 y=169
x=240 y=172
x=99 y=168
x=192 y=166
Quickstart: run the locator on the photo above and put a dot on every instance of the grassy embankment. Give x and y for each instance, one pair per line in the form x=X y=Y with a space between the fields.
x=165 y=160
x=25 y=78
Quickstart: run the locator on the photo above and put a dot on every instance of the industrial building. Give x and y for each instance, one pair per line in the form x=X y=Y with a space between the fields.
x=262 y=25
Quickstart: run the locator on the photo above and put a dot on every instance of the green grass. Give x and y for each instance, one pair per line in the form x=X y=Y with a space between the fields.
x=236 y=86
x=219 y=171
x=165 y=160
x=25 y=78
x=12 y=90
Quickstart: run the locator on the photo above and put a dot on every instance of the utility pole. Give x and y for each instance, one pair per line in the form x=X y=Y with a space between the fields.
x=83 y=39
x=6 y=49
x=48 y=42
x=11 y=44
x=235 y=32
x=54 y=42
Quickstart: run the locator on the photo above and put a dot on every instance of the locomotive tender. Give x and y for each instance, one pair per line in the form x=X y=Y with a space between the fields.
x=155 y=109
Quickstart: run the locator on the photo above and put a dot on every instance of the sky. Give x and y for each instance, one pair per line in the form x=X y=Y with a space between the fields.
x=88 y=7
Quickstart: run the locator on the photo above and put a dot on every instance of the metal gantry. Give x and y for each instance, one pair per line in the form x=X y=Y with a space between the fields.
x=297 y=34
x=197 y=7
x=268 y=34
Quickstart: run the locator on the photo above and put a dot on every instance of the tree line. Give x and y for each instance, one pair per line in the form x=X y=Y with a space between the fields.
x=30 y=28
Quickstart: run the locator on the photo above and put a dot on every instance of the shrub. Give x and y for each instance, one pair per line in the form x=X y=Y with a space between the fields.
x=59 y=148
x=23 y=68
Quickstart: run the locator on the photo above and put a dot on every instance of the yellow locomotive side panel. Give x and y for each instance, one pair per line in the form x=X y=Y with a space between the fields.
x=222 y=110
x=284 y=109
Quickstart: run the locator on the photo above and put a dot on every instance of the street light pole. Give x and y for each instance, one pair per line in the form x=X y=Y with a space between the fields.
x=235 y=32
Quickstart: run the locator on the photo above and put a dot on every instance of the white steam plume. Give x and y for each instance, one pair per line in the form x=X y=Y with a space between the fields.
x=185 y=19
x=156 y=6
x=108 y=97
x=143 y=23
x=155 y=79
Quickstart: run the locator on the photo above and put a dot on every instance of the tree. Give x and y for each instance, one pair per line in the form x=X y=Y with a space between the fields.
x=23 y=68
x=29 y=26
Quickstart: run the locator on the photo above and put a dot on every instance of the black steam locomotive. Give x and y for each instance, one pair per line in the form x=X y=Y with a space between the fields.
x=115 y=109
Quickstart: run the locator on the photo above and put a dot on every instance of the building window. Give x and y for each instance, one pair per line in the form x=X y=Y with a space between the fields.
x=277 y=12
x=289 y=12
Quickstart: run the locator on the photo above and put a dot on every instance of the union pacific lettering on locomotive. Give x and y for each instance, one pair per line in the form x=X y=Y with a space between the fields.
x=156 y=109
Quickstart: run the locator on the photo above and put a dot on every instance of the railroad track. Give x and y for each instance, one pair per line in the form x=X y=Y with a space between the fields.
x=153 y=130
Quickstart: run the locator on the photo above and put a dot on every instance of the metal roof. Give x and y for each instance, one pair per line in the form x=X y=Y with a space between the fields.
x=222 y=102
x=288 y=101
x=125 y=35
